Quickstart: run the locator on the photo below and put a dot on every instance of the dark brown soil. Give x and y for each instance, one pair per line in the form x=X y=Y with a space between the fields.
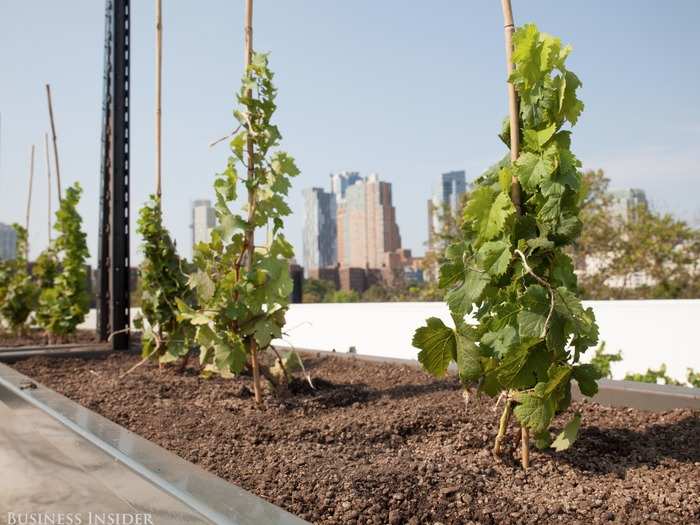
x=37 y=338
x=380 y=443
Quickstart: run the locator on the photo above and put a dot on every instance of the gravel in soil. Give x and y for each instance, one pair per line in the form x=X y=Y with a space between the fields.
x=380 y=443
x=38 y=338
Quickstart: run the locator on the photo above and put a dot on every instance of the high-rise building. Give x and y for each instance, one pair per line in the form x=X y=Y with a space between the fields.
x=625 y=203
x=452 y=185
x=320 y=243
x=8 y=242
x=341 y=181
x=367 y=228
x=203 y=221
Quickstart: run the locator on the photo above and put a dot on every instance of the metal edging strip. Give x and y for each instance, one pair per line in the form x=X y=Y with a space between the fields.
x=269 y=513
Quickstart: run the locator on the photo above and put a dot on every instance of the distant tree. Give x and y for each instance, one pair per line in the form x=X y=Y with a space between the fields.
x=317 y=291
x=344 y=296
x=377 y=293
x=659 y=247
x=450 y=222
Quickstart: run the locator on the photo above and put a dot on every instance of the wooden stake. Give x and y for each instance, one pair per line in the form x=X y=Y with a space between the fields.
x=509 y=29
x=525 y=449
x=29 y=196
x=159 y=72
x=503 y=426
x=48 y=177
x=250 y=234
x=55 y=143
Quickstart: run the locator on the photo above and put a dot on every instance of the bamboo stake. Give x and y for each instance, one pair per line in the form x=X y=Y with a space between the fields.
x=502 y=426
x=509 y=29
x=159 y=73
x=55 y=143
x=29 y=196
x=250 y=234
x=525 y=448
x=48 y=177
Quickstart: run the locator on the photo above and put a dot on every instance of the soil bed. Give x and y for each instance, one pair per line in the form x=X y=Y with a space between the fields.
x=381 y=443
x=38 y=338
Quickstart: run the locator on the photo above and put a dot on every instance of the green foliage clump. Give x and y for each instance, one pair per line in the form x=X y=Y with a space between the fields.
x=163 y=280
x=45 y=268
x=662 y=249
x=603 y=362
x=63 y=305
x=510 y=271
x=693 y=378
x=344 y=296
x=658 y=376
x=317 y=290
x=243 y=289
x=18 y=293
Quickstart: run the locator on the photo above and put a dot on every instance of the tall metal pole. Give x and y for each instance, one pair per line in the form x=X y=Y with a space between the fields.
x=113 y=283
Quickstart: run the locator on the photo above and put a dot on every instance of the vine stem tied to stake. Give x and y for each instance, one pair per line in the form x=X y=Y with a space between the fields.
x=513 y=111
x=509 y=29
x=546 y=285
x=250 y=232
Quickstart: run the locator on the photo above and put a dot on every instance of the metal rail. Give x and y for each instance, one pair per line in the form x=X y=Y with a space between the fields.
x=91 y=453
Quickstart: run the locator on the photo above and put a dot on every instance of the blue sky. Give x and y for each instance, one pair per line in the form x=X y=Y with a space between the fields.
x=406 y=89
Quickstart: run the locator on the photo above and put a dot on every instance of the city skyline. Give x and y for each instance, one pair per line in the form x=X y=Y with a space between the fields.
x=394 y=124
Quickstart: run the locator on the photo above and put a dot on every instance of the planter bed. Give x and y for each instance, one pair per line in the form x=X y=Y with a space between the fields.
x=386 y=443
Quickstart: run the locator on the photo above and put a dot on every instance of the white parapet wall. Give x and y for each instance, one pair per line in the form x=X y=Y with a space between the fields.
x=648 y=333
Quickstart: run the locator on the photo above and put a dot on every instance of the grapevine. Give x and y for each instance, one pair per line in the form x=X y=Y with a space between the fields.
x=511 y=272
x=18 y=293
x=64 y=304
x=243 y=289
x=163 y=280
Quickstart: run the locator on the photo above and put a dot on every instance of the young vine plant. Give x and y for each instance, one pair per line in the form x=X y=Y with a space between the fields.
x=511 y=272
x=64 y=303
x=164 y=280
x=18 y=292
x=242 y=288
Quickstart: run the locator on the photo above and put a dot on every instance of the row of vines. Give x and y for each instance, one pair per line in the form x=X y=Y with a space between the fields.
x=51 y=294
x=519 y=327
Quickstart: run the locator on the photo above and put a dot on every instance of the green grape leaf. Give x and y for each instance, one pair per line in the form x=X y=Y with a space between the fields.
x=533 y=316
x=567 y=436
x=501 y=340
x=533 y=168
x=468 y=360
x=437 y=344
x=494 y=257
x=558 y=375
x=461 y=299
x=535 y=409
x=488 y=211
x=586 y=376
